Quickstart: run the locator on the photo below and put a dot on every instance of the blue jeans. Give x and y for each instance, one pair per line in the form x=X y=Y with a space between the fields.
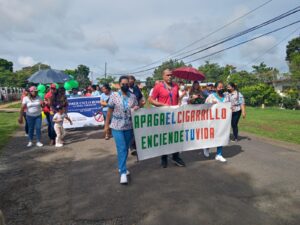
x=51 y=131
x=219 y=150
x=34 y=122
x=123 y=139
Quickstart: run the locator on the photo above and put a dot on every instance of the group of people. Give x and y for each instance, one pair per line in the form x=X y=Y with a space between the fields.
x=165 y=93
x=117 y=106
x=54 y=106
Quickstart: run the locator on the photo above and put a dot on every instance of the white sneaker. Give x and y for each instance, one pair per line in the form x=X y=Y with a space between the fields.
x=123 y=179
x=206 y=152
x=39 y=144
x=127 y=172
x=58 y=145
x=220 y=158
x=29 y=144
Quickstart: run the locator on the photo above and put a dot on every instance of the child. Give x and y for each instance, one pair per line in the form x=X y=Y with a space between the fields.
x=58 y=120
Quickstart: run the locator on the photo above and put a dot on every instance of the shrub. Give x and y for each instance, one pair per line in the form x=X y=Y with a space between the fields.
x=261 y=93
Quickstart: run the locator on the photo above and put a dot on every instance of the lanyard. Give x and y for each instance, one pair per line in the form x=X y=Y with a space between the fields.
x=125 y=101
x=170 y=92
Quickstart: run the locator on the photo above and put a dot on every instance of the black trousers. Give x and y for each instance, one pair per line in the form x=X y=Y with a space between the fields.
x=234 y=123
x=175 y=156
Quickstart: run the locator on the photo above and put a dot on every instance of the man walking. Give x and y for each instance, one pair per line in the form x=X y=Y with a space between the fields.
x=166 y=94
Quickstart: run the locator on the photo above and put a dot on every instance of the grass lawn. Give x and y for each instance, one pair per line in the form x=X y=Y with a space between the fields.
x=16 y=105
x=274 y=123
x=8 y=124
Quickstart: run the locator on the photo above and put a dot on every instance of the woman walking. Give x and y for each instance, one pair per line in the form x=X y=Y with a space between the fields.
x=119 y=112
x=238 y=108
x=33 y=104
x=105 y=96
x=216 y=98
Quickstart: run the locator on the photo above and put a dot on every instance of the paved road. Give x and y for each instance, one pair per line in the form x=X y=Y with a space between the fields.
x=79 y=185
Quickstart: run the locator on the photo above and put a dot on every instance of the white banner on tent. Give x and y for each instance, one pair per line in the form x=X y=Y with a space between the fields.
x=164 y=130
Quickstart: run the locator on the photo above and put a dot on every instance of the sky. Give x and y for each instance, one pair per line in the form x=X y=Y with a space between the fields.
x=130 y=35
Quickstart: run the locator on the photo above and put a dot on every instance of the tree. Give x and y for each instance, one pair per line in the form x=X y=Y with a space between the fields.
x=6 y=65
x=258 y=94
x=107 y=80
x=213 y=71
x=292 y=48
x=295 y=67
x=242 y=79
x=264 y=73
x=171 y=64
x=82 y=75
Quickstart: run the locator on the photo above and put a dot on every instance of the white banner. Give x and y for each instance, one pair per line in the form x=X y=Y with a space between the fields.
x=164 y=130
x=84 y=112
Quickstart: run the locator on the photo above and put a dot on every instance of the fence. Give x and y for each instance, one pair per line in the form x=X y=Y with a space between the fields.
x=9 y=94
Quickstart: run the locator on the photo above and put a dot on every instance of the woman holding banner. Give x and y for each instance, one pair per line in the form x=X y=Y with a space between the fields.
x=238 y=108
x=119 y=112
x=216 y=98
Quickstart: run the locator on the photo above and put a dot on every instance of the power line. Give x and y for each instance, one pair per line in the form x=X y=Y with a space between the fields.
x=268 y=50
x=231 y=37
x=243 y=42
x=205 y=37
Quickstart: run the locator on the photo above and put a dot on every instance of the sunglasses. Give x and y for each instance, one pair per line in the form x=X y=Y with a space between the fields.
x=124 y=85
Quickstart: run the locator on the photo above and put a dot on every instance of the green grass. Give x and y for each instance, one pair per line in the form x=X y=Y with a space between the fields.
x=8 y=125
x=14 y=106
x=274 y=123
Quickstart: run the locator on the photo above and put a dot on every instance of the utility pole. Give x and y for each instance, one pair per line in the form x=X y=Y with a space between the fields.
x=105 y=70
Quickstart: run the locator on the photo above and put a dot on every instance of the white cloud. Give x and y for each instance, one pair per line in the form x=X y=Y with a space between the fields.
x=103 y=41
x=26 y=61
x=258 y=47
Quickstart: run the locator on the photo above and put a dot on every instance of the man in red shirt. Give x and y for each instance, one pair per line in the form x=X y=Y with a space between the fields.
x=49 y=112
x=166 y=94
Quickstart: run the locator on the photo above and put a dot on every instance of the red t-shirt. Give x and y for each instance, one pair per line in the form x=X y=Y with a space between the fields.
x=164 y=95
x=48 y=96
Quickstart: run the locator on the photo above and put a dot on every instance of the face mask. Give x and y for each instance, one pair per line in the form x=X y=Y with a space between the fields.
x=181 y=87
x=125 y=88
x=229 y=90
x=220 y=92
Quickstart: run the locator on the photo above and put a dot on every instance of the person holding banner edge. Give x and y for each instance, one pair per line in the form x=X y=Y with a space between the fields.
x=215 y=98
x=166 y=93
x=238 y=108
x=119 y=112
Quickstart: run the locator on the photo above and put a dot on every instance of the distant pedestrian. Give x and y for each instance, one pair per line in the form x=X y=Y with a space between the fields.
x=120 y=104
x=74 y=93
x=58 y=120
x=96 y=91
x=24 y=94
x=104 y=98
x=89 y=91
x=238 y=108
x=33 y=104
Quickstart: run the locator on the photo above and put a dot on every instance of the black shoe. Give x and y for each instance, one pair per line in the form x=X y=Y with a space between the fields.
x=179 y=162
x=164 y=163
x=133 y=152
